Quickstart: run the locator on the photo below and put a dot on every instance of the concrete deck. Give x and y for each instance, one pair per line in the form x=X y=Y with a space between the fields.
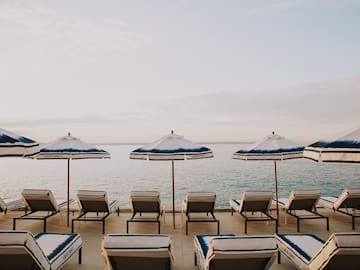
x=182 y=244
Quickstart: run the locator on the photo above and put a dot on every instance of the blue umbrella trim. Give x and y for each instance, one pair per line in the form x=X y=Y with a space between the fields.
x=336 y=144
x=72 y=150
x=275 y=151
x=6 y=139
x=25 y=140
x=169 y=151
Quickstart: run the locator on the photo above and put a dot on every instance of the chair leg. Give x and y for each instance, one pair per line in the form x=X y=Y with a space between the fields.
x=327 y=224
x=127 y=226
x=218 y=227
x=80 y=251
x=72 y=226
x=353 y=222
x=245 y=226
x=44 y=226
x=298 y=224
x=187 y=222
x=14 y=224
x=276 y=225
x=279 y=257
x=103 y=226
x=195 y=262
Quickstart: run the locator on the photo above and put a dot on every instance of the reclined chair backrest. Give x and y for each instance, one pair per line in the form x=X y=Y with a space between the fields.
x=251 y=252
x=341 y=251
x=303 y=199
x=126 y=251
x=256 y=201
x=40 y=200
x=145 y=201
x=19 y=250
x=350 y=198
x=199 y=202
x=93 y=201
x=2 y=205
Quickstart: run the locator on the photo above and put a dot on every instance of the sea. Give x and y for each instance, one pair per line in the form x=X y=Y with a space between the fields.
x=221 y=174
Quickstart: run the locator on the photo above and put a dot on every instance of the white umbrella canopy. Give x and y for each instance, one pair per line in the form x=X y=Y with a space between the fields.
x=272 y=147
x=14 y=145
x=342 y=149
x=172 y=147
x=69 y=147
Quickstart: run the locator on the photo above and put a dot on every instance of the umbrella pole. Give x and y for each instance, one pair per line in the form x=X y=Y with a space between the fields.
x=173 y=192
x=276 y=191
x=68 y=195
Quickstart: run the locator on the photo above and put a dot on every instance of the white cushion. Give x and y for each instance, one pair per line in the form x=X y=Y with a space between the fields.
x=41 y=195
x=200 y=197
x=303 y=195
x=146 y=245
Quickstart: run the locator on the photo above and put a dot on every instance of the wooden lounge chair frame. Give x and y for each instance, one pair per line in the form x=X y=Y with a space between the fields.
x=305 y=200
x=347 y=203
x=137 y=252
x=232 y=252
x=145 y=202
x=194 y=204
x=36 y=205
x=255 y=201
x=89 y=204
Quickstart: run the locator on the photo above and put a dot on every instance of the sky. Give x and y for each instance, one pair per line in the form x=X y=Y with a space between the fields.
x=131 y=71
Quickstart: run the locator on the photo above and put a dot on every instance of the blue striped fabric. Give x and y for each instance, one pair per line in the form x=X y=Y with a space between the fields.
x=60 y=247
x=296 y=247
x=72 y=150
x=170 y=151
x=336 y=144
x=275 y=151
x=204 y=240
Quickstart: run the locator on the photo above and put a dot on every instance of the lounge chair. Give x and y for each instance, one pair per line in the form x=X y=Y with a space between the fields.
x=91 y=201
x=347 y=203
x=38 y=200
x=44 y=251
x=136 y=252
x=306 y=251
x=6 y=205
x=229 y=252
x=145 y=202
x=301 y=204
x=254 y=206
x=200 y=202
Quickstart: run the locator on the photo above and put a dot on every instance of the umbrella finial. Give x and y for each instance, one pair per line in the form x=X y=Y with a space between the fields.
x=69 y=134
x=172 y=132
x=273 y=133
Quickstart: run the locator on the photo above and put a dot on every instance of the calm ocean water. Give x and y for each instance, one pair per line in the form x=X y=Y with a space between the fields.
x=221 y=174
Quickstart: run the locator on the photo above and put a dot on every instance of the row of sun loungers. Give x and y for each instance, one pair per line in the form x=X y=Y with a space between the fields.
x=301 y=204
x=21 y=250
x=252 y=206
x=134 y=251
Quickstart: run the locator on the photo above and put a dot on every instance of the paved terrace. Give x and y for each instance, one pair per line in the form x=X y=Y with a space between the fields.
x=182 y=247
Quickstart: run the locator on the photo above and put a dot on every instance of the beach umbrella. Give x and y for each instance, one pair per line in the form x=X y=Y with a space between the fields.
x=13 y=145
x=171 y=147
x=69 y=147
x=272 y=147
x=344 y=149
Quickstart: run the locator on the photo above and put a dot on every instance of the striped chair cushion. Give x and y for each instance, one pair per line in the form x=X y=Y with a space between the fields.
x=139 y=245
x=58 y=248
x=304 y=246
x=144 y=196
x=39 y=195
x=2 y=205
x=348 y=193
x=256 y=196
x=303 y=195
x=200 y=197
